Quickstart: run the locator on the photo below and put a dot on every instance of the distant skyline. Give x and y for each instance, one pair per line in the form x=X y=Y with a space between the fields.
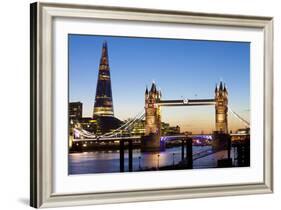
x=181 y=68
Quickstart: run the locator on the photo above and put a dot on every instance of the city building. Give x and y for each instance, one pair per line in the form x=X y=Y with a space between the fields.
x=138 y=128
x=103 y=101
x=173 y=130
x=106 y=124
x=103 y=113
x=103 y=119
x=88 y=124
x=166 y=129
x=75 y=111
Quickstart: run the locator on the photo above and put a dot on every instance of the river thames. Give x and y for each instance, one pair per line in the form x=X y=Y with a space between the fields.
x=108 y=161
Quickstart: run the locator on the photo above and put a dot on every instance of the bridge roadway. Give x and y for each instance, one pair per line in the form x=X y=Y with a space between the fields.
x=187 y=102
x=167 y=138
x=109 y=139
x=125 y=138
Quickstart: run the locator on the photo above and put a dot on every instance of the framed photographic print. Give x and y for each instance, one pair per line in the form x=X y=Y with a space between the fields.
x=136 y=105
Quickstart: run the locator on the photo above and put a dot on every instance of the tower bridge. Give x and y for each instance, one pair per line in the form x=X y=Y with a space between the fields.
x=153 y=103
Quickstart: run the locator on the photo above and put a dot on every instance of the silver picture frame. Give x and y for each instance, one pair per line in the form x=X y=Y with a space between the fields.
x=42 y=16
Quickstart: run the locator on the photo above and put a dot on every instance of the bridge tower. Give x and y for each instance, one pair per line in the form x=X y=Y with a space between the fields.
x=221 y=99
x=151 y=139
x=152 y=111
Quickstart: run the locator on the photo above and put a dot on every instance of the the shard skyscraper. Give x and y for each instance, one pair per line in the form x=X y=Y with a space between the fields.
x=103 y=101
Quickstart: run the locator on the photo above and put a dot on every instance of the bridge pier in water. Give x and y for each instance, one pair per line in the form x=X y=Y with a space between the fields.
x=151 y=143
x=188 y=159
x=122 y=155
x=189 y=153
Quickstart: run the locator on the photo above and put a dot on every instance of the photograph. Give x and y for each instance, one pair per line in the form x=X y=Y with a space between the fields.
x=139 y=104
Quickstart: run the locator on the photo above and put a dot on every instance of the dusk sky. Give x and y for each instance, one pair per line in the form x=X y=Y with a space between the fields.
x=181 y=68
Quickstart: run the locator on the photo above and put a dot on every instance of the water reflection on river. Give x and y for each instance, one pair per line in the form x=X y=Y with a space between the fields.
x=108 y=161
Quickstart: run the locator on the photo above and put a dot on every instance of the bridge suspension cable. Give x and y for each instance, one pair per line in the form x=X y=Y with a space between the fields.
x=245 y=122
x=127 y=128
x=124 y=127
